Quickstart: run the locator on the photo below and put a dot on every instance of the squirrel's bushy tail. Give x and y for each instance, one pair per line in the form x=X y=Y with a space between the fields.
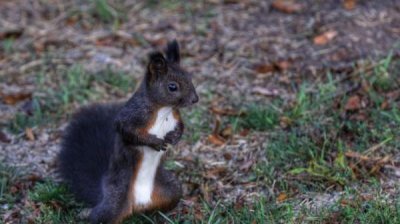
x=85 y=151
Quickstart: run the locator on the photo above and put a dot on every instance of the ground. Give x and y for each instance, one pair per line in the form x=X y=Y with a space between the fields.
x=298 y=119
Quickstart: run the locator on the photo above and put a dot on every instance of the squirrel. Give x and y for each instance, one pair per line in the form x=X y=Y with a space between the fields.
x=111 y=155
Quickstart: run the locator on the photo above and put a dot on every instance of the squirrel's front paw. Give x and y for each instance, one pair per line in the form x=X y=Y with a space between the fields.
x=173 y=137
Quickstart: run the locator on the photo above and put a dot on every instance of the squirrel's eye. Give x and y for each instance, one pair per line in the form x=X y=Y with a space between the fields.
x=172 y=87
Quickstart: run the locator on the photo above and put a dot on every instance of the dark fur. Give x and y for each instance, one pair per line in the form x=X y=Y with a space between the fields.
x=98 y=151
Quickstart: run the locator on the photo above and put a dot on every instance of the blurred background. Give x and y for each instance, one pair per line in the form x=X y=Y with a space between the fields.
x=298 y=119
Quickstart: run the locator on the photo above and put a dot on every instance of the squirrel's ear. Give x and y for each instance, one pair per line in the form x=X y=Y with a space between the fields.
x=172 y=52
x=157 y=64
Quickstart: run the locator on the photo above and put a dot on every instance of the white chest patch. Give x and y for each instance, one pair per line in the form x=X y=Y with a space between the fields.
x=165 y=122
x=144 y=183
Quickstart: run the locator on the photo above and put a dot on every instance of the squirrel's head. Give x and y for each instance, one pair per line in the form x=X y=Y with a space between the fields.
x=167 y=83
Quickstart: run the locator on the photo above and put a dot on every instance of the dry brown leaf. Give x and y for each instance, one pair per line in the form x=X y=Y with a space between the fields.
x=285 y=121
x=29 y=134
x=228 y=156
x=11 y=33
x=353 y=103
x=244 y=132
x=394 y=95
x=264 y=68
x=265 y=91
x=349 y=4
x=283 y=65
x=385 y=105
x=216 y=140
x=281 y=197
x=356 y=155
x=325 y=37
x=14 y=98
x=287 y=6
x=227 y=132
x=4 y=138
x=158 y=42
x=226 y=111
x=215 y=172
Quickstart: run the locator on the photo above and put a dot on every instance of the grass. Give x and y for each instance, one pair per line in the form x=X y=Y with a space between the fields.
x=57 y=96
x=8 y=176
x=55 y=203
x=49 y=202
x=309 y=138
x=8 y=45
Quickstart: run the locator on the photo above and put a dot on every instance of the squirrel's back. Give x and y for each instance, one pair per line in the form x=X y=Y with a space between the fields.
x=86 y=149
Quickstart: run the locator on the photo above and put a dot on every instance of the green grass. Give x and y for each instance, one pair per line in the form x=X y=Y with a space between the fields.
x=105 y=12
x=306 y=154
x=8 y=175
x=59 y=95
x=310 y=148
x=260 y=118
x=56 y=204
x=8 y=45
x=197 y=122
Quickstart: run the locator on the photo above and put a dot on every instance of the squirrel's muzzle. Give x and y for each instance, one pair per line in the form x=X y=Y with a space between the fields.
x=194 y=98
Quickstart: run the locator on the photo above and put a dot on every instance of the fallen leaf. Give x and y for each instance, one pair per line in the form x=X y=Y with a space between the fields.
x=227 y=132
x=385 y=105
x=353 y=103
x=264 y=68
x=287 y=6
x=325 y=37
x=228 y=156
x=226 y=111
x=285 y=121
x=11 y=33
x=349 y=4
x=281 y=197
x=216 y=140
x=265 y=91
x=367 y=197
x=394 y=95
x=215 y=173
x=4 y=138
x=356 y=155
x=244 y=132
x=158 y=41
x=283 y=65
x=14 y=98
x=29 y=134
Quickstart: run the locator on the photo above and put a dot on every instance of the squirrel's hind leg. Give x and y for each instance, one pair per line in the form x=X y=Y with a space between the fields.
x=167 y=191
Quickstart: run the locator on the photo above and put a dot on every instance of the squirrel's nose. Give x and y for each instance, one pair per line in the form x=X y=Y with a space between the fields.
x=195 y=99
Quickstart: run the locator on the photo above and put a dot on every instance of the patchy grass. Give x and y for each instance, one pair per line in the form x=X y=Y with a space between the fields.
x=54 y=203
x=105 y=12
x=259 y=118
x=311 y=143
x=8 y=176
x=8 y=45
x=49 y=202
x=57 y=96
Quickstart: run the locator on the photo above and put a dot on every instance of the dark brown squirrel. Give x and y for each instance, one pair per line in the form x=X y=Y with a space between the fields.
x=111 y=154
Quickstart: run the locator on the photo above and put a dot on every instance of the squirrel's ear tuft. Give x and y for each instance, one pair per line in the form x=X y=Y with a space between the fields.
x=157 y=64
x=172 y=52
